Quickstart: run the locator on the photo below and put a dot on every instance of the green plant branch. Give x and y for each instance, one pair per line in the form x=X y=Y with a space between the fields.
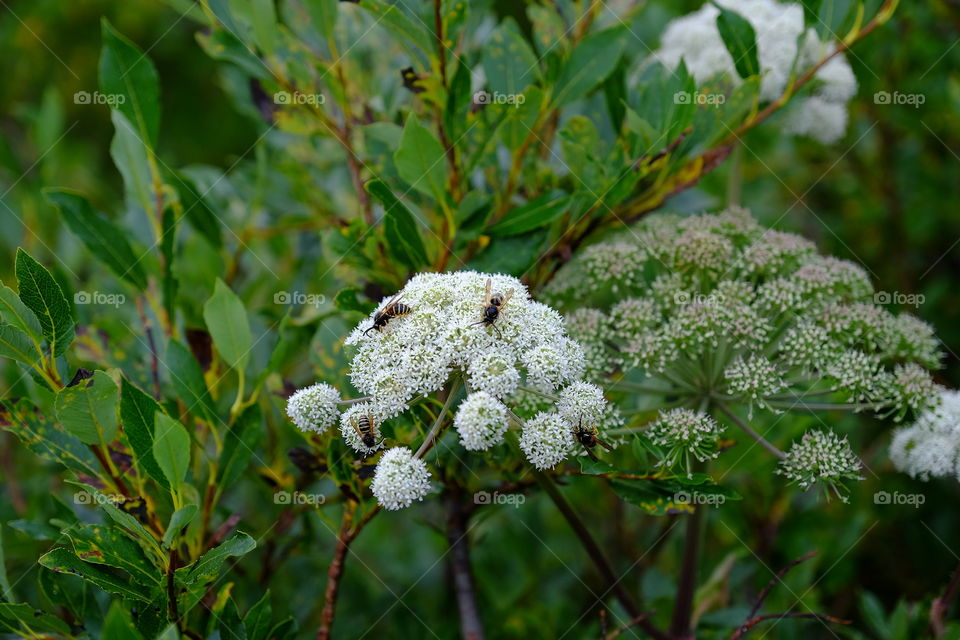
x=596 y=554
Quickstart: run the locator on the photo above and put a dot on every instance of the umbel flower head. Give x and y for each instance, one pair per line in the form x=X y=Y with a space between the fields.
x=930 y=447
x=714 y=310
x=684 y=433
x=784 y=45
x=824 y=457
x=481 y=421
x=314 y=408
x=400 y=479
x=437 y=332
x=778 y=323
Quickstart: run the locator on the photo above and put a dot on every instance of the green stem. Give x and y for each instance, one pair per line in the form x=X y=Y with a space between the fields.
x=431 y=438
x=750 y=432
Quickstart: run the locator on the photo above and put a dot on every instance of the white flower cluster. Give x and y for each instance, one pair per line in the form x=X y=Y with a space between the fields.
x=930 y=447
x=434 y=333
x=481 y=421
x=714 y=308
x=821 y=457
x=400 y=479
x=784 y=46
x=314 y=408
x=760 y=317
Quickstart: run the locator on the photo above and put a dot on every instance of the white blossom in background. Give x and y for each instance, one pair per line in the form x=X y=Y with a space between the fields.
x=930 y=447
x=400 y=479
x=821 y=457
x=314 y=408
x=441 y=340
x=779 y=28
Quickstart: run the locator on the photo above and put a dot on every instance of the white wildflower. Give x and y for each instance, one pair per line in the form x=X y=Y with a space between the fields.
x=930 y=447
x=350 y=428
x=683 y=433
x=546 y=440
x=550 y=365
x=754 y=377
x=821 y=456
x=481 y=421
x=400 y=479
x=495 y=373
x=314 y=408
x=582 y=403
x=779 y=28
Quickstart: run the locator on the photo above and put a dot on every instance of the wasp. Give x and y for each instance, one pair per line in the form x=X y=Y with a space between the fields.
x=393 y=309
x=366 y=428
x=493 y=304
x=588 y=437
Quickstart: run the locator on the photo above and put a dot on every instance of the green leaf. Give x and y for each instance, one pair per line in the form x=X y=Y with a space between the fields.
x=347 y=300
x=131 y=156
x=239 y=443
x=741 y=41
x=650 y=496
x=258 y=618
x=508 y=61
x=180 y=519
x=400 y=228
x=126 y=71
x=392 y=18
x=14 y=312
x=229 y=622
x=18 y=346
x=170 y=283
x=263 y=17
x=171 y=448
x=537 y=213
x=6 y=593
x=811 y=12
x=197 y=576
x=590 y=63
x=170 y=633
x=227 y=323
x=101 y=236
x=88 y=409
x=323 y=16
x=873 y=614
x=198 y=212
x=118 y=624
x=188 y=382
x=133 y=526
x=40 y=293
x=40 y=435
x=595 y=467
x=421 y=160
x=108 y=546
x=63 y=561
x=12 y=616
x=137 y=410
x=512 y=255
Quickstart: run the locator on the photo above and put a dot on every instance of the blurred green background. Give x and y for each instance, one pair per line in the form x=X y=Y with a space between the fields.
x=886 y=196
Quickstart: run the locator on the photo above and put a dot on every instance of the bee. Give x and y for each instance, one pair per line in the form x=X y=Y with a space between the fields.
x=493 y=304
x=366 y=428
x=394 y=309
x=588 y=437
